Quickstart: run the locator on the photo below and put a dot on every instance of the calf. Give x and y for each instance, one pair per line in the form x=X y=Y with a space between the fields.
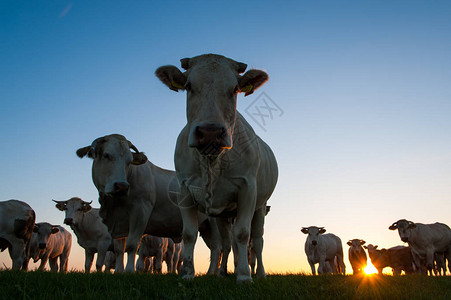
x=48 y=243
x=151 y=246
x=321 y=248
x=357 y=256
x=399 y=258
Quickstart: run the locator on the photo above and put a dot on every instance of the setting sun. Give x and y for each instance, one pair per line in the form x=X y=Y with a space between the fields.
x=370 y=269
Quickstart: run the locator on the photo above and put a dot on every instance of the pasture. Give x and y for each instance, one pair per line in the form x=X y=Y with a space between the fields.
x=76 y=285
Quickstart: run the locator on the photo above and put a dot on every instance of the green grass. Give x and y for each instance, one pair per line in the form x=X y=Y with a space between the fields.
x=74 y=285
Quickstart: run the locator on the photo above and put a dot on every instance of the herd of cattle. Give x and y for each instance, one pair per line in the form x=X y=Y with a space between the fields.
x=429 y=249
x=224 y=176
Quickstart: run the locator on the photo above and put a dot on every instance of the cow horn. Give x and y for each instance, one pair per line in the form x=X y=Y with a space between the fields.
x=58 y=202
x=133 y=147
x=185 y=63
x=87 y=203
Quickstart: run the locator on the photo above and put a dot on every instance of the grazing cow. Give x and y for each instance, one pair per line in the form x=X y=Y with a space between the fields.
x=92 y=234
x=357 y=256
x=424 y=241
x=323 y=249
x=151 y=246
x=136 y=197
x=16 y=227
x=225 y=170
x=50 y=242
x=399 y=258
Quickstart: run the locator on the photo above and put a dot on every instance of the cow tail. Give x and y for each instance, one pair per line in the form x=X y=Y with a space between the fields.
x=23 y=228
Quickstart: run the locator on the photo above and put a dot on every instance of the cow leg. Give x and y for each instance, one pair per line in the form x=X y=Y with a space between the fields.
x=137 y=226
x=258 y=222
x=158 y=261
x=100 y=260
x=312 y=266
x=225 y=231
x=169 y=258
x=89 y=256
x=322 y=262
x=188 y=211
x=241 y=230
x=430 y=260
x=212 y=239
x=119 y=246
x=341 y=264
x=44 y=260
x=53 y=262
x=64 y=261
x=17 y=253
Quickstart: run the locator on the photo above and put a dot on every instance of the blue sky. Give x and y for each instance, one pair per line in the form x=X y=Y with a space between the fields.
x=364 y=88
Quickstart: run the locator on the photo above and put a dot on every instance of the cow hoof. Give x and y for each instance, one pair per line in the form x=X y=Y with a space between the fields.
x=240 y=279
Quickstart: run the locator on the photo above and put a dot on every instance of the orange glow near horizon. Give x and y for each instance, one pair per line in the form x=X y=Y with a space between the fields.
x=370 y=269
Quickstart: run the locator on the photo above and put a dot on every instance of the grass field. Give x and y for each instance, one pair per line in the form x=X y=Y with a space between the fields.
x=74 y=285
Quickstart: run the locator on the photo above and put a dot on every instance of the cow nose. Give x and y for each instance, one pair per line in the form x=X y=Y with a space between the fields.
x=42 y=245
x=314 y=243
x=211 y=139
x=121 y=188
x=68 y=221
x=405 y=239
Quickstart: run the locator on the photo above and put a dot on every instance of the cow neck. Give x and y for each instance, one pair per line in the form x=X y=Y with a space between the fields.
x=210 y=166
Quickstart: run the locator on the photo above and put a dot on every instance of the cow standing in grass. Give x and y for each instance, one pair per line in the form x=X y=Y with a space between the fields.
x=17 y=220
x=224 y=169
x=325 y=249
x=137 y=197
x=357 y=256
x=50 y=243
x=424 y=241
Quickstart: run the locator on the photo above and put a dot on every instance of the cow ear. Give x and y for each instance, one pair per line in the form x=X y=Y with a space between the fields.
x=61 y=206
x=412 y=225
x=304 y=230
x=251 y=81
x=172 y=77
x=85 y=151
x=365 y=247
x=139 y=158
x=362 y=242
x=55 y=229
x=85 y=208
x=349 y=243
x=393 y=227
x=322 y=230
x=375 y=247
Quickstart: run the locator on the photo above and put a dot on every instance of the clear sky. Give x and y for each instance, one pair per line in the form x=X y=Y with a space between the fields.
x=362 y=134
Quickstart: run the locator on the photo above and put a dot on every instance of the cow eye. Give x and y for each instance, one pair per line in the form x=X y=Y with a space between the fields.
x=107 y=156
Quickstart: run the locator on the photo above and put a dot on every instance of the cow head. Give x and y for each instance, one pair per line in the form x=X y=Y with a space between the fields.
x=371 y=248
x=212 y=83
x=43 y=231
x=357 y=243
x=313 y=234
x=112 y=158
x=75 y=209
x=404 y=227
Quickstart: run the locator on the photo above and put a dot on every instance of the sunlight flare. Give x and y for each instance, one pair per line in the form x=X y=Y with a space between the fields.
x=370 y=269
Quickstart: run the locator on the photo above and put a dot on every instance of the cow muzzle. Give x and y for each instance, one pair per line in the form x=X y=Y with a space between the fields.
x=68 y=221
x=314 y=243
x=120 y=188
x=210 y=139
x=405 y=239
x=42 y=245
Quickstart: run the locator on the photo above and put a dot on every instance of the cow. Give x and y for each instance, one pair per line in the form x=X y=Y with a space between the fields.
x=224 y=169
x=151 y=246
x=357 y=256
x=17 y=220
x=399 y=258
x=92 y=234
x=424 y=241
x=323 y=248
x=48 y=243
x=137 y=197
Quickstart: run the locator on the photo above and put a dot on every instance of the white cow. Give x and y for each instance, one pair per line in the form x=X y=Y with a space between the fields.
x=322 y=248
x=424 y=241
x=136 y=197
x=16 y=226
x=92 y=234
x=48 y=243
x=225 y=170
